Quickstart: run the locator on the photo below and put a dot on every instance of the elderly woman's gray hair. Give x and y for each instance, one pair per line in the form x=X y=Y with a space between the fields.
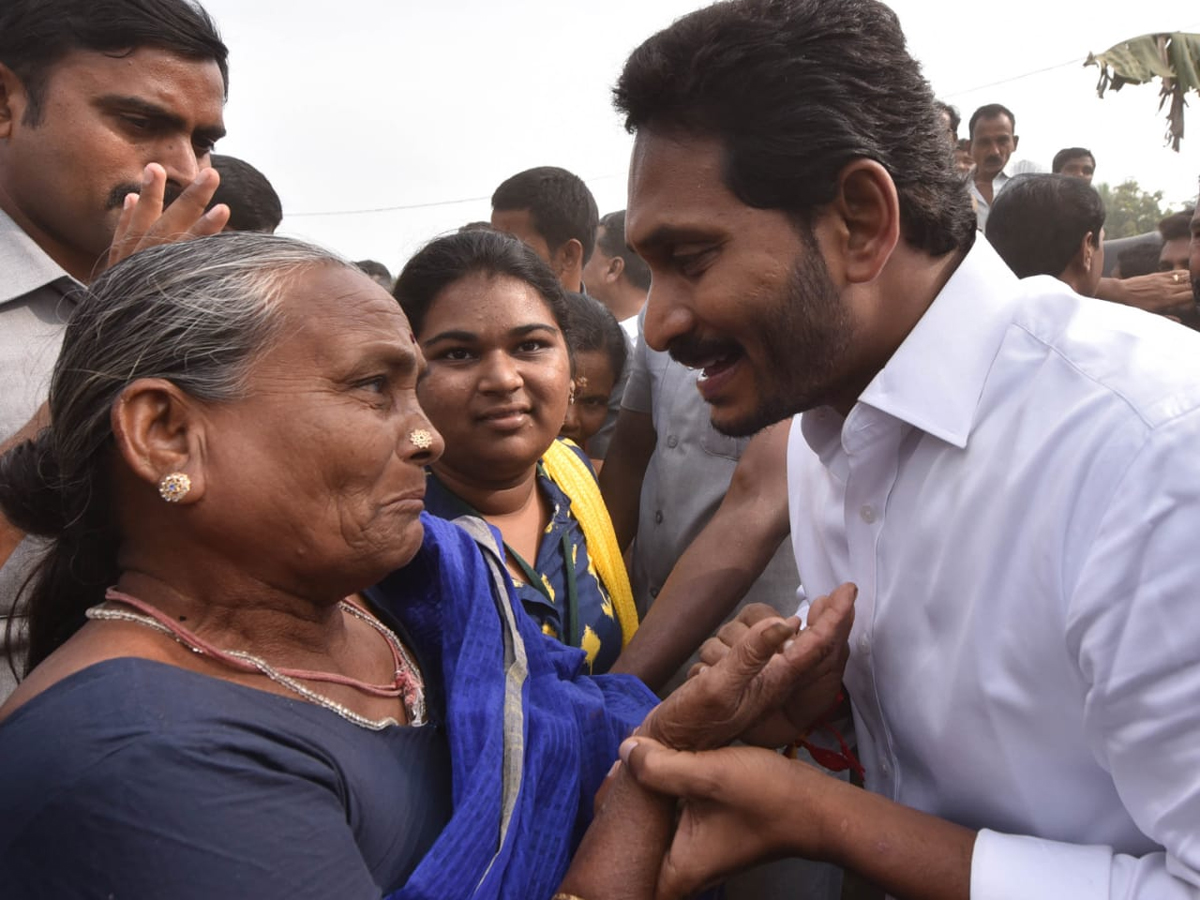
x=197 y=314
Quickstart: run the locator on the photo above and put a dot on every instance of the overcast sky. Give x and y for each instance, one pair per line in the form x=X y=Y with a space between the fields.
x=377 y=104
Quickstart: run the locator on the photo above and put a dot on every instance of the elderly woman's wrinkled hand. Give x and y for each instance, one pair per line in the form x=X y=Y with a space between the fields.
x=817 y=691
x=768 y=677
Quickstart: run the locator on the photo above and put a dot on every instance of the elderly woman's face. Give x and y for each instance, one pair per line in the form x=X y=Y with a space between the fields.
x=498 y=378
x=319 y=460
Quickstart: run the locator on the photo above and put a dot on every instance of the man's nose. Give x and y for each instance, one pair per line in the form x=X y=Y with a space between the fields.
x=181 y=162
x=667 y=316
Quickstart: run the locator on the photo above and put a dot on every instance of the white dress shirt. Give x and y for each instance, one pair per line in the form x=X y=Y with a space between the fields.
x=1017 y=496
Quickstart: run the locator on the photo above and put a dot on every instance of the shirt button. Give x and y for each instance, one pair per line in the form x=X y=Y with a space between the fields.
x=868 y=514
x=864 y=644
x=672 y=441
x=658 y=517
x=654 y=592
x=884 y=767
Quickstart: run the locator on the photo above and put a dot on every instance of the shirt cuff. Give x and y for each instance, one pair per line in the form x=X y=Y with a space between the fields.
x=1004 y=866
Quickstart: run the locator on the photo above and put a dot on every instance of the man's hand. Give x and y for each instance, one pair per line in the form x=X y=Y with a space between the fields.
x=1158 y=292
x=738 y=805
x=765 y=664
x=814 y=693
x=144 y=223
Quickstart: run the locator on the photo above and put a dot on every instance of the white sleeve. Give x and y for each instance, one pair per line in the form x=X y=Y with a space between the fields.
x=1133 y=630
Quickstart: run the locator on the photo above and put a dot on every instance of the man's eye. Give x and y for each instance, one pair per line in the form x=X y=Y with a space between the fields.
x=455 y=354
x=692 y=263
x=531 y=346
x=376 y=385
x=140 y=123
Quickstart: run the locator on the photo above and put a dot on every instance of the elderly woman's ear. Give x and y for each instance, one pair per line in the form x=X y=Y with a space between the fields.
x=159 y=432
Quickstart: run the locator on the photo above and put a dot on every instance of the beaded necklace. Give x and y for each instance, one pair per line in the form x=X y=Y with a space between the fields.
x=406 y=683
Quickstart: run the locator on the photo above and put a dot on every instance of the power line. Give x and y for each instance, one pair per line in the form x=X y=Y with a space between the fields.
x=1071 y=62
x=383 y=209
x=1078 y=61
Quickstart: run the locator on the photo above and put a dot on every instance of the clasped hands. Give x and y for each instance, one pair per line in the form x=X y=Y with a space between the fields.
x=764 y=682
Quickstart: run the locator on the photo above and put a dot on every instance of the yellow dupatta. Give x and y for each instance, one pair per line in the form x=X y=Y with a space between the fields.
x=572 y=474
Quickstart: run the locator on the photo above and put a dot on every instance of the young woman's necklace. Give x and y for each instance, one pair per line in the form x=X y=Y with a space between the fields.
x=406 y=683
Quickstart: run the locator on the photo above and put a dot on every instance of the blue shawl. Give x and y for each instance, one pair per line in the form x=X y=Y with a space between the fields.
x=530 y=738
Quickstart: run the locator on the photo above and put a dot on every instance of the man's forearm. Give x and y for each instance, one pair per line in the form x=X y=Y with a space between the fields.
x=624 y=469
x=911 y=855
x=719 y=567
x=707 y=583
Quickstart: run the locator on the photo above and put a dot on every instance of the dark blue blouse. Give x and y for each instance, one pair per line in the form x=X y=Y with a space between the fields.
x=134 y=779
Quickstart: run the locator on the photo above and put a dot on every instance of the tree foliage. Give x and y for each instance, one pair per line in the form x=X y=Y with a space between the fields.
x=1173 y=58
x=1130 y=210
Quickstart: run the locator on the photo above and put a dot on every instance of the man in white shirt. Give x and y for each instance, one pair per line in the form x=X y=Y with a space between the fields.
x=993 y=139
x=1007 y=471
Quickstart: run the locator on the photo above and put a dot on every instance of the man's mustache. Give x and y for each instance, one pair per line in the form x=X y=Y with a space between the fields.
x=694 y=352
x=116 y=197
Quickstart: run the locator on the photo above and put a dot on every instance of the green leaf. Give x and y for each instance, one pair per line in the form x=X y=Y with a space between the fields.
x=1174 y=58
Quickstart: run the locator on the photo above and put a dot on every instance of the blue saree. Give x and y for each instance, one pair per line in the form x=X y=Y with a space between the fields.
x=530 y=738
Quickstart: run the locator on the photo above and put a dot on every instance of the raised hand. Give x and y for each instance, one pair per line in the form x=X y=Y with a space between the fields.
x=763 y=665
x=817 y=689
x=145 y=223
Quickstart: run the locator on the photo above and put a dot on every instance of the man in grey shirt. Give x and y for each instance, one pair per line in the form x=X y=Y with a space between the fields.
x=98 y=101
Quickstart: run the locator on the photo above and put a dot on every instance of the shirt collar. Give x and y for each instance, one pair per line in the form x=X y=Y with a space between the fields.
x=935 y=378
x=25 y=266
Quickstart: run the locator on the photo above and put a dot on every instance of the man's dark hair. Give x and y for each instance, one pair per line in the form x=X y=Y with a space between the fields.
x=1064 y=156
x=951 y=113
x=447 y=259
x=991 y=111
x=594 y=327
x=1139 y=259
x=36 y=34
x=795 y=90
x=253 y=203
x=612 y=242
x=377 y=272
x=1177 y=225
x=1038 y=221
x=559 y=203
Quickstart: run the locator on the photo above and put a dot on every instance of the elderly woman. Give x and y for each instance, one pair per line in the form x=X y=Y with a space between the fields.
x=493 y=323
x=236 y=449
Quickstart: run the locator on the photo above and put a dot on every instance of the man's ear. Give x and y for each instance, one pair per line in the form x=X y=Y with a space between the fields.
x=1016 y=140
x=158 y=430
x=614 y=270
x=867 y=208
x=568 y=257
x=13 y=100
x=1080 y=265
